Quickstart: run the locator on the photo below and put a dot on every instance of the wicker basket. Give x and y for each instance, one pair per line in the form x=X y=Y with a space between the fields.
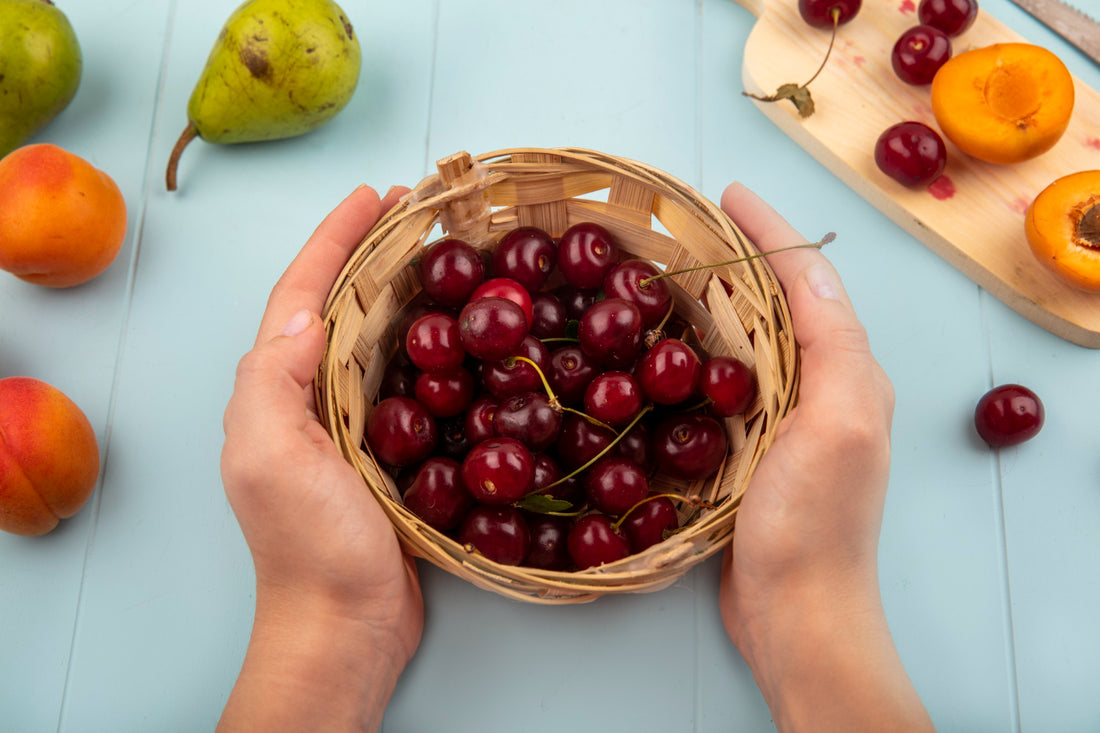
x=737 y=310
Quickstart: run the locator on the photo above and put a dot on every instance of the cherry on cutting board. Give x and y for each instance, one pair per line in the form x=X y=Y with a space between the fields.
x=911 y=153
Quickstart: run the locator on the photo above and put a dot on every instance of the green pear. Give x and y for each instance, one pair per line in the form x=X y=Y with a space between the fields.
x=279 y=68
x=40 y=67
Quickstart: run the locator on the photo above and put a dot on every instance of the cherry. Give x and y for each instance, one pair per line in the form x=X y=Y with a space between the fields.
x=594 y=541
x=586 y=252
x=689 y=446
x=491 y=328
x=509 y=377
x=669 y=372
x=580 y=440
x=398 y=378
x=729 y=384
x=650 y=523
x=570 y=373
x=400 y=431
x=1008 y=415
x=911 y=153
x=919 y=53
x=549 y=319
x=437 y=494
x=433 y=343
x=478 y=421
x=547 y=472
x=453 y=441
x=505 y=287
x=450 y=270
x=528 y=418
x=820 y=13
x=953 y=17
x=635 y=445
x=499 y=533
x=499 y=471
x=613 y=485
x=445 y=394
x=526 y=255
x=548 y=537
x=610 y=332
x=613 y=397
x=576 y=300
x=653 y=298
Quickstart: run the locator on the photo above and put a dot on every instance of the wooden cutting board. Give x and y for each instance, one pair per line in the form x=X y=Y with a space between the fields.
x=973 y=217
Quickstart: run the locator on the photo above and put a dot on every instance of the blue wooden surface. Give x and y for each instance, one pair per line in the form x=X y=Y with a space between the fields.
x=134 y=615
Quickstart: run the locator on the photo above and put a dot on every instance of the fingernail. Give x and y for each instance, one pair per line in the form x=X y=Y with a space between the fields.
x=823 y=281
x=392 y=190
x=298 y=322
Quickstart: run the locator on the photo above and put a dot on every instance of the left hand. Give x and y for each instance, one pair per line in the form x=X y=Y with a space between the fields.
x=328 y=563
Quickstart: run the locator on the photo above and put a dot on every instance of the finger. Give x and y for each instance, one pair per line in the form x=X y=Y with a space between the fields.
x=310 y=276
x=769 y=231
x=269 y=396
x=836 y=357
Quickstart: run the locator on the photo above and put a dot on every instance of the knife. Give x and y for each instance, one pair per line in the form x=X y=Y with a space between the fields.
x=1068 y=22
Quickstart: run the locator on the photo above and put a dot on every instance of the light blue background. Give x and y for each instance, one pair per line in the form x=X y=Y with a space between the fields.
x=134 y=615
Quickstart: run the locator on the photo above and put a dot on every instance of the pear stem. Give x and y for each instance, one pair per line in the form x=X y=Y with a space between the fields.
x=189 y=134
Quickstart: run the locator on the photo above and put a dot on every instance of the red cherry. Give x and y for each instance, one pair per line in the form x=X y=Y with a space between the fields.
x=437 y=494
x=729 y=384
x=400 y=431
x=499 y=533
x=650 y=523
x=1008 y=415
x=586 y=253
x=526 y=255
x=491 y=328
x=689 y=446
x=819 y=13
x=450 y=270
x=506 y=287
x=669 y=372
x=499 y=471
x=911 y=153
x=593 y=541
x=919 y=53
x=950 y=16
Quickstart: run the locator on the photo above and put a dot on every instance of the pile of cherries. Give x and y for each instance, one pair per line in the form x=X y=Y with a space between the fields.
x=536 y=391
x=910 y=152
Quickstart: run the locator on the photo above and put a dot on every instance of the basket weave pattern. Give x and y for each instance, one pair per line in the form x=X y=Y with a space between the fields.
x=736 y=309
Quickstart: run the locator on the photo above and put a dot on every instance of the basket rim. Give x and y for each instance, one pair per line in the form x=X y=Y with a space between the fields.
x=425 y=201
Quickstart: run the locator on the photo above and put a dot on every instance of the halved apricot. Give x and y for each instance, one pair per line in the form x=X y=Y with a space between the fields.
x=1003 y=103
x=1063 y=229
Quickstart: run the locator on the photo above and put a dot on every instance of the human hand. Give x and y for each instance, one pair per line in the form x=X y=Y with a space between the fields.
x=799 y=593
x=338 y=605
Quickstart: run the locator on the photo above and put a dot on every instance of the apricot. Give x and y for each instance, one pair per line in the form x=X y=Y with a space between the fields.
x=49 y=458
x=1063 y=229
x=62 y=221
x=1003 y=103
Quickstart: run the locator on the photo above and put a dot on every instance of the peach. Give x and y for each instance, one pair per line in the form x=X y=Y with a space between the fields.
x=49 y=458
x=62 y=221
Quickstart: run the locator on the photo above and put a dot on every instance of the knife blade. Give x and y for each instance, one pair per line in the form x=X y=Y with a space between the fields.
x=1068 y=22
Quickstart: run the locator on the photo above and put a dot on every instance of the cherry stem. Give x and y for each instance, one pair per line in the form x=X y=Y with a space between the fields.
x=602 y=453
x=693 y=499
x=555 y=403
x=835 y=14
x=756 y=255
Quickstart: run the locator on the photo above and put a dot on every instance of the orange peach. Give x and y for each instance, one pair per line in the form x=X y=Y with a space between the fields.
x=49 y=458
x=62 y=221
x=1004 y=103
